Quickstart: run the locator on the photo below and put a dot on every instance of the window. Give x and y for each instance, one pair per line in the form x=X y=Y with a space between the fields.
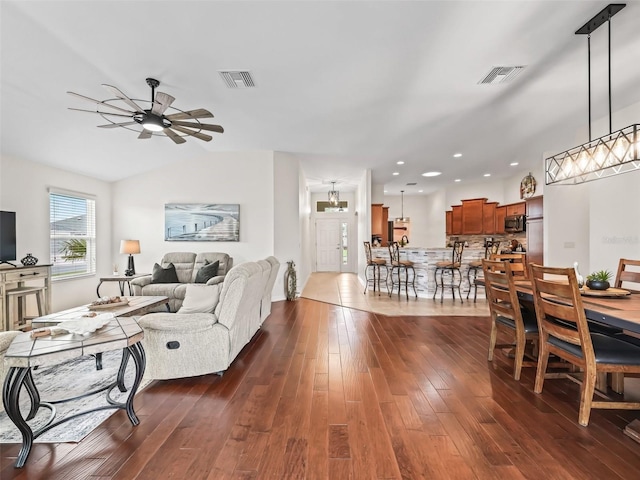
x=72 y=226
x=328 y=208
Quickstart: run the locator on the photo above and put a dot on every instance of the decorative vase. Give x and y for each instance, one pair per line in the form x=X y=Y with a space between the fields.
x=290 y=281
x=29 y=260
x=579 y=277
x=598 y=284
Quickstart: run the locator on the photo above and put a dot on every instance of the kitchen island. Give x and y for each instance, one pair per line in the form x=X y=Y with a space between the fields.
x=424 y=261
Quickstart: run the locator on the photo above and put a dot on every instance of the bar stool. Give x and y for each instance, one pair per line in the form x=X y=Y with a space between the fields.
x=374 y=264
x=451 y=268
x=17 y=297
x=399 y=266
x=490 y=248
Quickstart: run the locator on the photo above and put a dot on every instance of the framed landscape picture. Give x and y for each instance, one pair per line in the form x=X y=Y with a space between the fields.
x=202 y=222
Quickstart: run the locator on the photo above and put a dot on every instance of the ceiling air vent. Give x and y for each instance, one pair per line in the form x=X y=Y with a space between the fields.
x=411 y=184
x=501 y=75
x=237 y=79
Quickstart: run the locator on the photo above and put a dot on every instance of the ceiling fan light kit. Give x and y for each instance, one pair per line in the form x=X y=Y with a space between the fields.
x=152 y=120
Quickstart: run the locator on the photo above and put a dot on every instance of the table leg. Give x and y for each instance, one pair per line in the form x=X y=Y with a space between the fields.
x=121 y=285
x=633 y=430
x=98 y=289
x=13 y=383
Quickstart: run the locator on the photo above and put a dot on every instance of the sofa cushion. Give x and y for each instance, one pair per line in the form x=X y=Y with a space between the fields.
x=200 y=299
x=164 y=275
x=209 y=270
x=161 y=289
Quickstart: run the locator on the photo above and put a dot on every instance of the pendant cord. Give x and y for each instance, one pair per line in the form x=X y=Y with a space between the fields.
x=589 y=80
x=609 y=23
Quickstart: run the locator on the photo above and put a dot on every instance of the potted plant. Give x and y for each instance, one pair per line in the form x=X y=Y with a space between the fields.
x=599 y=280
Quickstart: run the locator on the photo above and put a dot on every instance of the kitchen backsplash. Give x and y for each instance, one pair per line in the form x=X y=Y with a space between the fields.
x=477 y=241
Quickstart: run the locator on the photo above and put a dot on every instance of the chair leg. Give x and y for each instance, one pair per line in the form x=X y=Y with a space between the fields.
x=435 y=282
x=469 y=279
x=492 y=339
x=586 y=397
x=543 y=359
x=413 y=281
x=519 y=357
x=459 y=283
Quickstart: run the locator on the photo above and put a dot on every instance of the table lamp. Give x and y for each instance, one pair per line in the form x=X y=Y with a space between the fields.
x=131 y=247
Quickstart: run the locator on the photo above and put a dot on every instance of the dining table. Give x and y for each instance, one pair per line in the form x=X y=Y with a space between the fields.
x=618 y=310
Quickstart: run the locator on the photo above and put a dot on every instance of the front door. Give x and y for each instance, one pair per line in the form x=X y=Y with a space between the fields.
x=328 y=245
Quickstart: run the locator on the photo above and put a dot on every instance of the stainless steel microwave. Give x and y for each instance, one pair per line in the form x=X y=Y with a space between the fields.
x=515 y=223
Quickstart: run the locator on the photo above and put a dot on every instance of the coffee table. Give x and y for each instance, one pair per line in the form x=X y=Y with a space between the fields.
x=26 y=353
x=138 y=305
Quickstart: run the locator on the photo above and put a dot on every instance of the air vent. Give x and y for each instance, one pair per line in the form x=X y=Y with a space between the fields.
x=411 y=184
x=237 y=79
x=501 y=75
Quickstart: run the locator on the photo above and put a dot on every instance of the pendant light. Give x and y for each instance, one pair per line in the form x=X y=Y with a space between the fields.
x=608 y=155
x=334 y=195
x=402 y=218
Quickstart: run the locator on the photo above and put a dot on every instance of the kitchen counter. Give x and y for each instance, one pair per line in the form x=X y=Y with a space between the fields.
x=425 y=259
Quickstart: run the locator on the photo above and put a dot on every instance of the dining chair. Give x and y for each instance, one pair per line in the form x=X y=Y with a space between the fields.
x=518 y=262
x=373 y=265
x=398 y=266
x=507 y=315
x=627 y=275
x=475 y=267
x=450 y=267
x=564 y=332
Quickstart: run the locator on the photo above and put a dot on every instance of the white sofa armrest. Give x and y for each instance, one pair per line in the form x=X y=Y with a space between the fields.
x=215 y=280
x=139 y=282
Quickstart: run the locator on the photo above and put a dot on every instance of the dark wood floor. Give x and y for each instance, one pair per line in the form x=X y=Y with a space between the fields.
x=330 y=393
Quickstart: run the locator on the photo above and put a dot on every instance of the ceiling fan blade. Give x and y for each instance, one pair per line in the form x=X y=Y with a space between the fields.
x=144 y=134
x=199 y=126
x=99 y=102
x=173 y=136
x=114 y=125
x=201 y=136
x=102 y=113
x=161 y=103
x=191 y=114
x=123 y=97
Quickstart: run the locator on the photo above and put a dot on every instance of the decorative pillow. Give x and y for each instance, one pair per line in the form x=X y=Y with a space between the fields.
x=164 y=275
x=200 y=298
x=209 y=270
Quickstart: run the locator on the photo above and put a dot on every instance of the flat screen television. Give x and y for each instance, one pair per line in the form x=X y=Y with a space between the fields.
x=7 y=237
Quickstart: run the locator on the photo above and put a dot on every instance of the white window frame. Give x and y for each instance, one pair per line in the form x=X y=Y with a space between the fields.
x=85 y=213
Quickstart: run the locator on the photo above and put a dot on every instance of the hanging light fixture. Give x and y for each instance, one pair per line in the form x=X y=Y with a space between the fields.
x=334 y=195
x=402 y=218
x=608 y=155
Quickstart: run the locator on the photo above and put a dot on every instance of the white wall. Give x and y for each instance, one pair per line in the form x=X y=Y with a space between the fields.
x=363 y=205
x=245 y=178
x=24 y=190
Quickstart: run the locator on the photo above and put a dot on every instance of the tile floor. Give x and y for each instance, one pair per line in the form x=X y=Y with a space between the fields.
x=344 y=289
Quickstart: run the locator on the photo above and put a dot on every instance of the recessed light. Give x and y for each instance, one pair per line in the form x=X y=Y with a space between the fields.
x=396 y=173
x=385 y=191
x=400 y=162
x=457 y=155
x=420 y=191
x=457 y=180
x=487 y=174
x=513 y=164
x=431 y=174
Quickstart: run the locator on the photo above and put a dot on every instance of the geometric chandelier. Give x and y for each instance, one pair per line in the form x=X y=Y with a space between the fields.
x=612 y=154
x=334 y=195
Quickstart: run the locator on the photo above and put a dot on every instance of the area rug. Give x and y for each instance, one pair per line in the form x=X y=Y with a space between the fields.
x=67 y=380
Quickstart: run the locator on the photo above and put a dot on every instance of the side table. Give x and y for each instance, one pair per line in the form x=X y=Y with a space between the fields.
x=25 y=353
x=121 y=279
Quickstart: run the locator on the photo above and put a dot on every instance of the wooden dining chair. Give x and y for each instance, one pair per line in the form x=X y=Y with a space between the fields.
x=518 y=262
x=506 y=313
x=627 y=275
x=564 y=332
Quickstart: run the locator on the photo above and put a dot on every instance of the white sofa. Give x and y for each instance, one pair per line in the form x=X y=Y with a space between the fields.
x=187 y=265
x=188 y=344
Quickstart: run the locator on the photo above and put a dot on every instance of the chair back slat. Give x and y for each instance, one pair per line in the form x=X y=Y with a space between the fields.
x=394 y=252
x=628 y=276
x=518 y=262
x=456 y=253
x=559 y=307
x=501 y=291
x=367 y=251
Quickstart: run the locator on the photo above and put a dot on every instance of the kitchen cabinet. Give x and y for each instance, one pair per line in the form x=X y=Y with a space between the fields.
x=501 y=212
x=472 y=216
x=489 y=217
x=456 y=220
x=449 y=221
x=379 y=222
x=519 y=208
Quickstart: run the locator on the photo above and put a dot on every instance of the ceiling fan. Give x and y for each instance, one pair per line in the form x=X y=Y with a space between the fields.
x=153 y=119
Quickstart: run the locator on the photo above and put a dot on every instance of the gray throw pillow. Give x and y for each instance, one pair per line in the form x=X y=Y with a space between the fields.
x=164 y=275
x=208 y=271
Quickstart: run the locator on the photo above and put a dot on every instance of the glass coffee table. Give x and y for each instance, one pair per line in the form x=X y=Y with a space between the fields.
x=26 y=353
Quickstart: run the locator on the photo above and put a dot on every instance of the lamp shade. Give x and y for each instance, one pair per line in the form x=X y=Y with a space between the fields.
x=130 y=246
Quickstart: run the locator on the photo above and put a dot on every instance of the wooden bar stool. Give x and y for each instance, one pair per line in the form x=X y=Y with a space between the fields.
x=450 y=268
x=398 y=266
x=374 y=264
x=17 y=300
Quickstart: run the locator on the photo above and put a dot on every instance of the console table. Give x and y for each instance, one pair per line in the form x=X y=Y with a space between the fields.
x=20 y=277
x=121 y=279
x=25 y=353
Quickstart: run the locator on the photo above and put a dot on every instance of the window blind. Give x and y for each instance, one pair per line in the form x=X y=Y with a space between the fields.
x=72 y=225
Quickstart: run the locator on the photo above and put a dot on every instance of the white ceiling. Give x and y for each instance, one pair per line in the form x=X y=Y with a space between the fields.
x=344 y=85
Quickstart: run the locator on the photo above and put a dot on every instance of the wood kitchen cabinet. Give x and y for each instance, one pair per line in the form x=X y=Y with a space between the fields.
x=379 y=222
x=519 y=208
x=449 y=221
x=472 y=216
x=456 y=220
x=501 y=212
x=489 y=217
